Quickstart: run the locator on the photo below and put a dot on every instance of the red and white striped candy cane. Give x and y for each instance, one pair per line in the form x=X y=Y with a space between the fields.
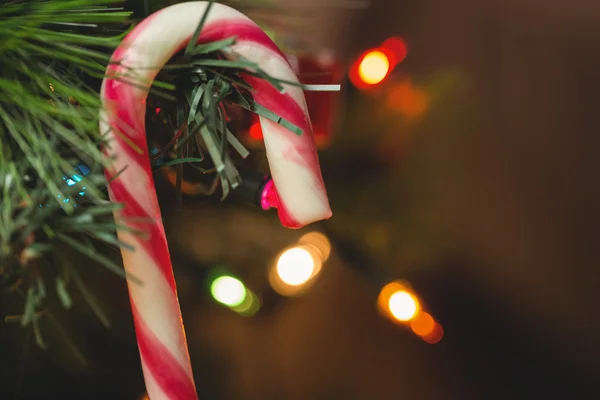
x=300 y=192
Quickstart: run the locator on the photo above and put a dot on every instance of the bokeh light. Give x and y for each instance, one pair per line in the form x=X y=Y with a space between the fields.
x=255 y=131
x=403 y=305
x=435 y=336
x=295 y=270
x=295 y=266
x=250 y=306
x=228 y=291
x=397 y=50
x=374 y=67
x=423 y=324
x=319 y=241
x=397 y=302
x=408 y=100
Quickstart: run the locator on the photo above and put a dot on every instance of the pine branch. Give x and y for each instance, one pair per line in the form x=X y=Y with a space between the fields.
x=52 y=182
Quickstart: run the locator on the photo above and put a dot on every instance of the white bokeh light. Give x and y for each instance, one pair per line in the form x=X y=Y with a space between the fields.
x=295 y=266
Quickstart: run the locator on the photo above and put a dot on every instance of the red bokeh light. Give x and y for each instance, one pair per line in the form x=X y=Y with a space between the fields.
x=435 y=336
x=397 y=50
x=371 y=68
x=255 y=131
x=374 y=65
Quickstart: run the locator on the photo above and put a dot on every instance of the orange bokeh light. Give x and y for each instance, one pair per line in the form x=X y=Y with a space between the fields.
x=423 y=324
x=403 y=306
x=374 y=67
x=398 y=303
x=408 y=100
x=318 y=241
x=371 y=69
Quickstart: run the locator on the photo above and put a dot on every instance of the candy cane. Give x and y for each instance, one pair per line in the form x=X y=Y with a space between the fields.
x=299 y=190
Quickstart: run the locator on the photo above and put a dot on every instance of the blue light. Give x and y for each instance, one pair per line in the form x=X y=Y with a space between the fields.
x=160 y=160
x=75 y=178
x=71 y=181
x=83 y=170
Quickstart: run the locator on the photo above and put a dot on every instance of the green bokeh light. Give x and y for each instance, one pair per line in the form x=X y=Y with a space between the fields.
x=250 y=306
x=228 y=291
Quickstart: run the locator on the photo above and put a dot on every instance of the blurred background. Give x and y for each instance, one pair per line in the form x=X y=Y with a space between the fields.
x=461 y=261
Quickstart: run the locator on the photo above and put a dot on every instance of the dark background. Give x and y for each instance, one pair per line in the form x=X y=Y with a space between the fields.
x=488 y=204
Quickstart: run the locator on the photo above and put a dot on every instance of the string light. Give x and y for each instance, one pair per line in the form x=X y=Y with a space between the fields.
x=398 y=302
x=374 y=67
x=232 y=293
x=71 y=180
x=403 y=306
x=295 y=270
x=268 y=197
x=296 y=267
x=228 y=291
x=255 y=131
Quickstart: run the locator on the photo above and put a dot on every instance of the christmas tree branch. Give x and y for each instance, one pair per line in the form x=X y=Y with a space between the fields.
x=51 y=162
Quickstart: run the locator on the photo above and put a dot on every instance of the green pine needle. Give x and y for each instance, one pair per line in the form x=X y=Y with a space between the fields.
x=53 y=52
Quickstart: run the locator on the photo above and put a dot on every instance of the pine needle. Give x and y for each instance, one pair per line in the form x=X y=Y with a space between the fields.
x=54 y=53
